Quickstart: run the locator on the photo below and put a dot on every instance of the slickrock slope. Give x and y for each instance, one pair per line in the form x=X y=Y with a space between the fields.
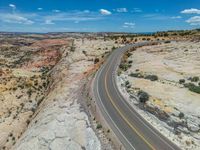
x=60 y=121
x=24 y=82
x=162 y=83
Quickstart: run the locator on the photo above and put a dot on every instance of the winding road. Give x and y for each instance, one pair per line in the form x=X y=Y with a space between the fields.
x=130 y=128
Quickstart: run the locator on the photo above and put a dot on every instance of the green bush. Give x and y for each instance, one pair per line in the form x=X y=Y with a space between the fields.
x=127 y=83
x=195 y=79
x=130 y=61
x=181 y=115
x=151 y=77
x=143 y=96
x=192 y=87
x=99 y=126
x=136 y=75
x=124 y=66
x=181 y=81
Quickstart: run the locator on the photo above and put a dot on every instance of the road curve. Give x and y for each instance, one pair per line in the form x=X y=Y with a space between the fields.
x=130 y=128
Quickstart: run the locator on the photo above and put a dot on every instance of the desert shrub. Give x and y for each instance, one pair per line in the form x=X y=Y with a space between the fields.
x=128 y=54
x=195 y=79
x=181 y=115
x=148 y=39
x=27 y=122
x=36 y=82
x=84 y=52
x=29 y=92
x=151 y=77
x=143 y=39
x=167 y=42
x=143 y=96
x=130 y=61
x=124 y=66
x=187 y=85
x=99 y=126
x=195 y=89
x=181 y=81
x=14 y=89
x=96 y=60
x=136 y=75
x=113 y=48
x=33 y=110
x=192 y=87
x=127 y=83
x=44 y=84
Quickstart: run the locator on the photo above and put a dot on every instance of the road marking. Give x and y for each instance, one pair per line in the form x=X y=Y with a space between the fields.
x=128 y=106
x=121 y=114
x=110 y=116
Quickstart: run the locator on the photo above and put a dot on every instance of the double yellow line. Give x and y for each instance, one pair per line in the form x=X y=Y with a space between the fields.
x=121 y=114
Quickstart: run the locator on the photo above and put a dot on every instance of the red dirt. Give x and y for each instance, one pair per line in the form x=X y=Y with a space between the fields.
x=50 y=42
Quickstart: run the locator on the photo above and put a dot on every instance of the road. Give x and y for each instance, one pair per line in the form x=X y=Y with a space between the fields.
x=130 y=128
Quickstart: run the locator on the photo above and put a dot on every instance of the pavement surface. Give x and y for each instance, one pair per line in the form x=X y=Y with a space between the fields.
x=131 y=129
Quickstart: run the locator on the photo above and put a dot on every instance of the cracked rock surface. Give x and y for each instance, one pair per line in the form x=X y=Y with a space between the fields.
x=60 y=121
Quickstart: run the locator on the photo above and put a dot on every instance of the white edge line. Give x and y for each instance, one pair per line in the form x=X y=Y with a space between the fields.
x=108 y=113
x=136 y=111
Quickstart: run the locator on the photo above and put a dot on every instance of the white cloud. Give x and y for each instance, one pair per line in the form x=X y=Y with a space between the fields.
x=124 y=26
x=75 y=16
x=12 y=6
x=14 y=18
x=194 y=20
x=129 y=25
x=176 y=17
x=105 y=12
x=56 y=10
x=191 y=11
x=86 y=11
x=40 y=8
x=122 y=10
x=49 y=22
x=136 y=10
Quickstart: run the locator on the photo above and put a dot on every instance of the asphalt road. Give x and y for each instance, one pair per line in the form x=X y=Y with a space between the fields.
x=130 y=128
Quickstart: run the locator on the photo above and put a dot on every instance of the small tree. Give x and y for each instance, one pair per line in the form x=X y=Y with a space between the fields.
x=181 y=115
x=143 y=97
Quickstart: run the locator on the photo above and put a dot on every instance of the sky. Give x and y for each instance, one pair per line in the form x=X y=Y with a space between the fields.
x=98 y=15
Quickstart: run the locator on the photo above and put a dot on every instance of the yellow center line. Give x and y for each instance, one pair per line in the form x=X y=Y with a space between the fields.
x=121 y=114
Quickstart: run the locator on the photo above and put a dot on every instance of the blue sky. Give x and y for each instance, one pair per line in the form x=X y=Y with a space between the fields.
x=98 y=15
